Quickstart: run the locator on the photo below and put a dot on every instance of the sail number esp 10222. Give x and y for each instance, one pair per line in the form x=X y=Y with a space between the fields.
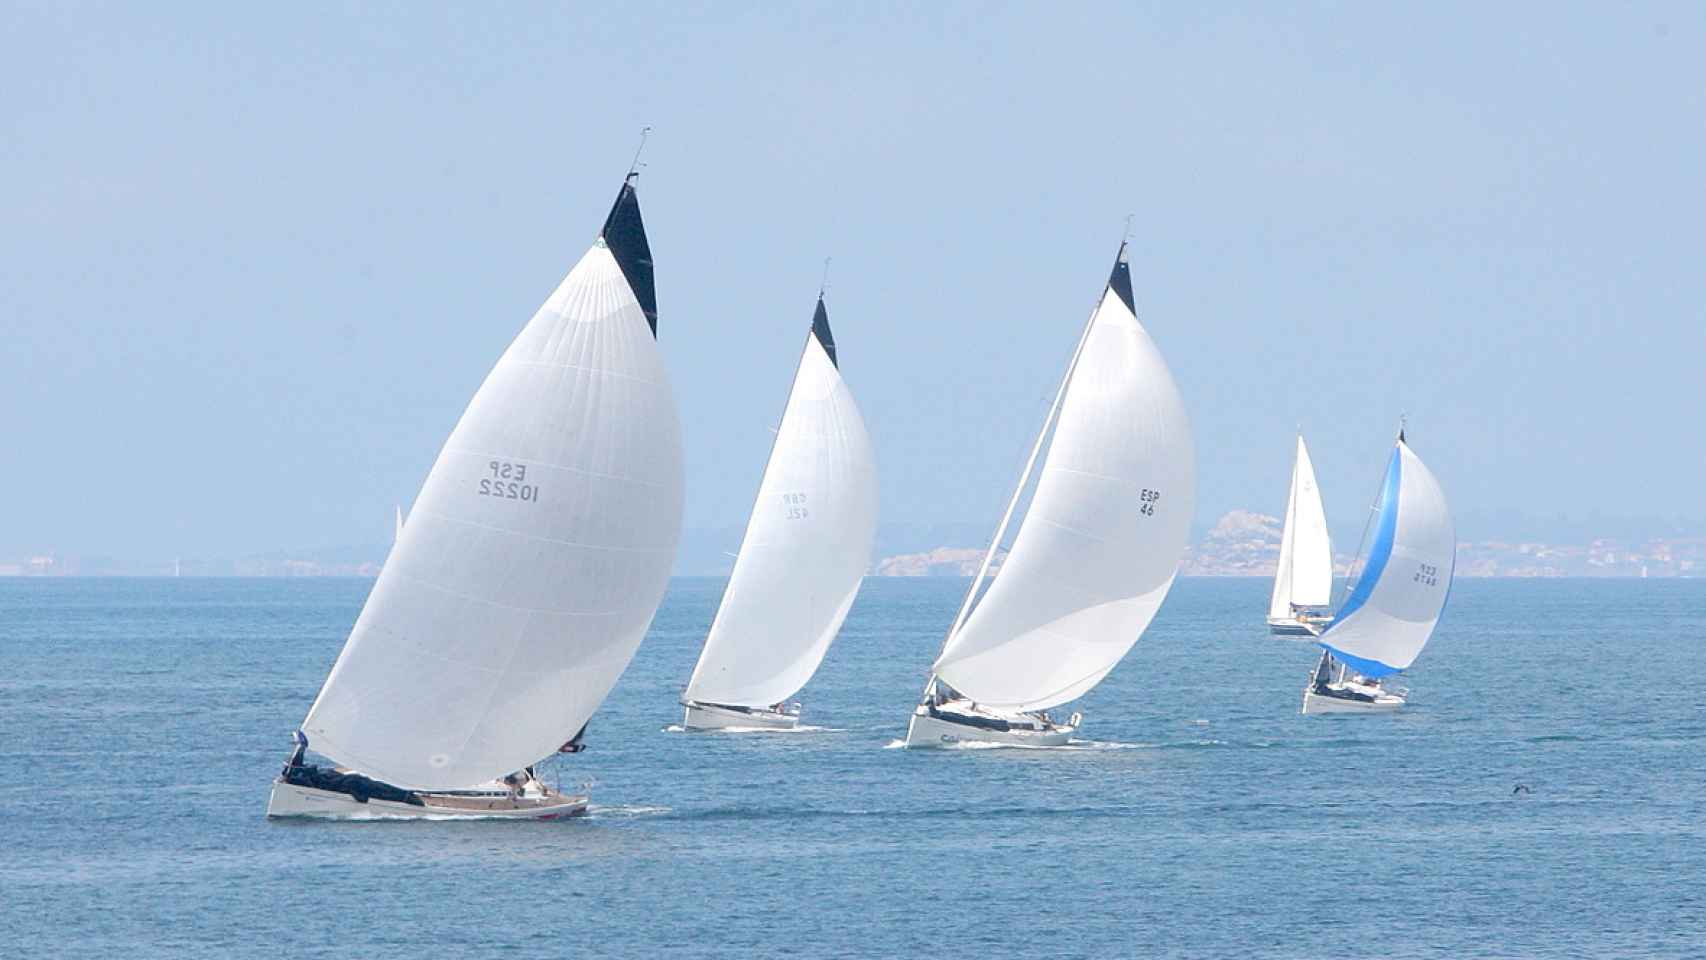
x=1427 y=574
x=508 y=481
x=1148 y=501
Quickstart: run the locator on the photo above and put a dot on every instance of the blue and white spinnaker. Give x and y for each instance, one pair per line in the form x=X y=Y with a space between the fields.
x=1397 y=601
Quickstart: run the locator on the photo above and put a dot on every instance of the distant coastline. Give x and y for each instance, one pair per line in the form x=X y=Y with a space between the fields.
x=1240 y=544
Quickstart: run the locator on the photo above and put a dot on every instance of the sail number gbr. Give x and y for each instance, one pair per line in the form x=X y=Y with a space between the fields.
x=1148 y=499
x=508 y=481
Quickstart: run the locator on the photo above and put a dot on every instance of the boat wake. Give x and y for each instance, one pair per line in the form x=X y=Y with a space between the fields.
x=1071 y=746
x=599 y=811
x=803 y=728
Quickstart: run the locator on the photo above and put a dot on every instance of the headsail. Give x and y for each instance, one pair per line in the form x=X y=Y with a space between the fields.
x=1106 y=528
x=537 y=552
x=807 y=543
x=1398 y=599
x=1305 y=574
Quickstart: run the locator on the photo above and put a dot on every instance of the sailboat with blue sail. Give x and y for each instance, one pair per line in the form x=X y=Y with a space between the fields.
x=1396 y=603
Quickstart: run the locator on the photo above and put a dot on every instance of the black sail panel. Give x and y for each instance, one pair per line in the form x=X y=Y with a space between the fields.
x=1119 y=281
x=625 y=234
x=820 y=330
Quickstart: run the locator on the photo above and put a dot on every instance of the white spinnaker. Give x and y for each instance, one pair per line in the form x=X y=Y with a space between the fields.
x=532 y=562
x=806 y=548
x=1305 y=574
x=1396 y=603
x=1089 y=566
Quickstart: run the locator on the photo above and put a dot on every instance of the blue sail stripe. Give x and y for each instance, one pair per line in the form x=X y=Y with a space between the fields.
x=1372 y=669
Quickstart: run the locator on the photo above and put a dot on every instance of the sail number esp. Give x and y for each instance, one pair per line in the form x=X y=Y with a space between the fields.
x=508 y=481
x=1148 y=499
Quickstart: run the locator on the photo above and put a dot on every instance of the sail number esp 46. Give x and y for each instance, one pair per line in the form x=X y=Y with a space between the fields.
x=1149 y=499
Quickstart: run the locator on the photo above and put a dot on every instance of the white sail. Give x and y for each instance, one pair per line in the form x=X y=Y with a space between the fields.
x=397 y=533
x=807 y=544
x=536 y=553
x=1101 y=542
x=1305 y=574
x=1398 y=598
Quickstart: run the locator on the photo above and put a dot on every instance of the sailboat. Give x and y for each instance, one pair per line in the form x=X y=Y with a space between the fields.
x=1095 y=554
x=529 y=569
x=807 y=545
x=1303 y=583
x=1391 y=612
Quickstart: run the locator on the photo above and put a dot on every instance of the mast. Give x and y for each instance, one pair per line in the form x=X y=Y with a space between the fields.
x=1121 y=282
x=1350 y=582
x=1284 y=569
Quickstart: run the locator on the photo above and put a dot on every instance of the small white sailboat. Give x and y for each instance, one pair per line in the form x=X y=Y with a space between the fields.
x=531 y=566
x=1303 y=583
x=1398 y=598
x=1094 y=557
x=807 y=546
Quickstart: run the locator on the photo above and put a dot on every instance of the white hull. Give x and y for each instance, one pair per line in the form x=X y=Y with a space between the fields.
x=926 y=731
x=293 y=800
x=1291 y=628
x=1383 y=702
x=706 y=716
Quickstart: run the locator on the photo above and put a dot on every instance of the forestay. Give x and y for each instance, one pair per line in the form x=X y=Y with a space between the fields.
x=1397 y=601
x=537 y=552
x=1305 y=574
x=1101 y=542
x=807 y=545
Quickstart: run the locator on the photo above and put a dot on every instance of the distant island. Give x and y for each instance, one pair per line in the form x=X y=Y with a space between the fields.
x=1246 y=544
x=1240 y=544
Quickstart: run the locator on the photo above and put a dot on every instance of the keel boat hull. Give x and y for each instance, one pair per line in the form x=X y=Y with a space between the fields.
x=1293 y=628
x=1316 y=703
x=708 y=716
x=291 y=800
x=929 y=729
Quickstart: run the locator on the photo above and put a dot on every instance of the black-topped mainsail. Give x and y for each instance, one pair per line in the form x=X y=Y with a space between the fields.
x=1119 y=281
x=820 y=330
x=625 y=234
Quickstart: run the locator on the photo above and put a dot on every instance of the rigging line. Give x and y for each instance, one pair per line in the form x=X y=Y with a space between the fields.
x=1352 y=575
x=1024 y=480
x=634 y=168
x=823 y=286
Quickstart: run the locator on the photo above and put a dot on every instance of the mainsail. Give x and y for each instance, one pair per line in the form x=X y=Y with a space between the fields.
x=1397 y=600
x=1101 y=542
x=537 y=551
x=807 y=543
x=1305 y=574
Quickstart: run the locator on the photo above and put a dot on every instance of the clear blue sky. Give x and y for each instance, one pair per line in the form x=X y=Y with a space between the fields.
x=253 y=262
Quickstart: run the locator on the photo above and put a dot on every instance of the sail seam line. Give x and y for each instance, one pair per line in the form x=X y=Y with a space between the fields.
x=542 y=539
x=495 y=603
x=593 y=370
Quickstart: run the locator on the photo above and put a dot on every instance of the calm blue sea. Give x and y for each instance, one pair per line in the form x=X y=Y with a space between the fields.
x=141 y=721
